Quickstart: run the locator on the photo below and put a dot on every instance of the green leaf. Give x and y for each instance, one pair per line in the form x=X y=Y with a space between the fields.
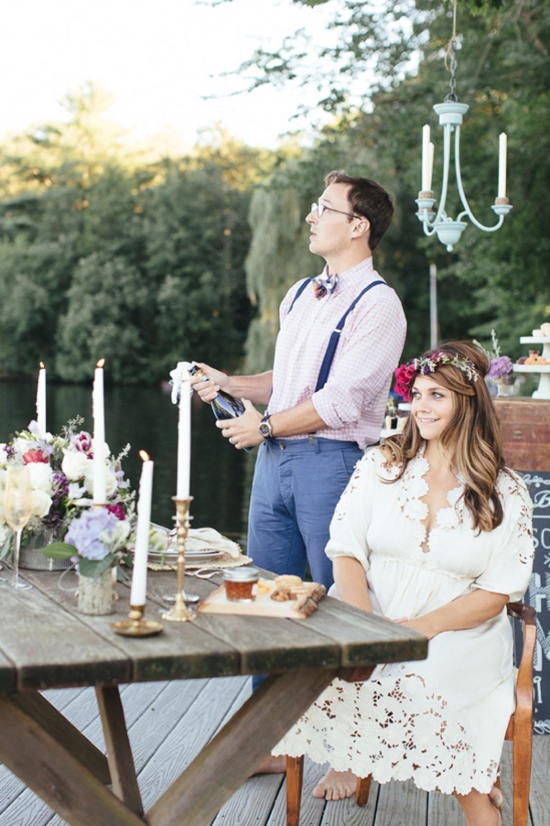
x=94 y=567
x=58 y=550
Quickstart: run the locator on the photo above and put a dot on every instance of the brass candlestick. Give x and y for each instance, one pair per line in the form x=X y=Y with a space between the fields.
x=179 y=611
x=136 y=626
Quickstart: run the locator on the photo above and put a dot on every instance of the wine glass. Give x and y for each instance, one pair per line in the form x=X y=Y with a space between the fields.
x=17 y=512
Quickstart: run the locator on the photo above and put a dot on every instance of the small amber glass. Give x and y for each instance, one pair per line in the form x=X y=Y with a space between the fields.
x=241 y=584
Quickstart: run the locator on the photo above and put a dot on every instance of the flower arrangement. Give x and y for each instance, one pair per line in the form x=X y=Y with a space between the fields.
x=500 y=365
x=61 y=472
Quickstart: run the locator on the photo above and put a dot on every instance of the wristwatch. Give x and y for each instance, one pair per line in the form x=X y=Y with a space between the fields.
x=265 y=428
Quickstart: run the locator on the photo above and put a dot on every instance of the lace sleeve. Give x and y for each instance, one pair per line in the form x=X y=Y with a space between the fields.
x=348 y=529
x=511 y=563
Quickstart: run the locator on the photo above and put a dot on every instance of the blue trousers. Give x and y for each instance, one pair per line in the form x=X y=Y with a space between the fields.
x=297 y=485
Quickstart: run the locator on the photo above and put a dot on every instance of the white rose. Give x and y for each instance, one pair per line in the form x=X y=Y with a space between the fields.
x=3 y=455
x=41 y=477
x=21 y=445
x=75 y=465
x=110 y=481
x=116 y=537
x=41 y=503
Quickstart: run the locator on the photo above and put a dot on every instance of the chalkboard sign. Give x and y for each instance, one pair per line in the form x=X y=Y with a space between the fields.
x=538 y=595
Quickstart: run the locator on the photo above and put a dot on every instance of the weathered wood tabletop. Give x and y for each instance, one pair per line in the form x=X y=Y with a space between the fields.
x=46 y=643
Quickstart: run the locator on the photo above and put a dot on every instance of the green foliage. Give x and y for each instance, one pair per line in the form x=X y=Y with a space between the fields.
x=106 y=255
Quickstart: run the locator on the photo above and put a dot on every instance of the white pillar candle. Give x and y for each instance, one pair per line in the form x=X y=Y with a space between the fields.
x=184 y=438
x=139 y=571
x=502 y=151
x=41 y=400
x=426 y=177
x=98 y=407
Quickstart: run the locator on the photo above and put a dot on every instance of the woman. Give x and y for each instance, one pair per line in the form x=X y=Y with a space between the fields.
x=432 y=532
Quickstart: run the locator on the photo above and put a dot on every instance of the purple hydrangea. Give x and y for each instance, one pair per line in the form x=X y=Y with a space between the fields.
x=500 y=366
x=84 y=533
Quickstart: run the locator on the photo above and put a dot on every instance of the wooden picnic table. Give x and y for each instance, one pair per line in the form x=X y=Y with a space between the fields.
x=45 y=643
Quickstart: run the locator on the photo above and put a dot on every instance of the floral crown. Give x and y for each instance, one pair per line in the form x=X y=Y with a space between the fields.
x=429 y=364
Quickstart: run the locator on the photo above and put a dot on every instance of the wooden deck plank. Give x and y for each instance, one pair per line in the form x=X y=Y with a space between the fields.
x=540 y=781
x=152 y=710
x=401 y=803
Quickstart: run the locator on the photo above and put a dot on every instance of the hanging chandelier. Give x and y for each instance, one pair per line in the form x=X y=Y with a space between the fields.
x=451 y=113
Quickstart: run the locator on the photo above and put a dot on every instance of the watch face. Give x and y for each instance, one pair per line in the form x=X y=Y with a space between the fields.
x=265 y=430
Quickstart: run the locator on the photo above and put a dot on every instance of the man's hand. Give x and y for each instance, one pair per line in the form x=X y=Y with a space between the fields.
x=209 y=385
x=243 y=431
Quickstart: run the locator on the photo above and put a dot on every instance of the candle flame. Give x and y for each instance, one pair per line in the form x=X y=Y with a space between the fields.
x=144 y=455
x=101 y=362
x=42 y=365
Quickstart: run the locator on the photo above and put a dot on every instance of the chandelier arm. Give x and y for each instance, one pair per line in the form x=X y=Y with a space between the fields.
x=447 y=129
x=467 y=210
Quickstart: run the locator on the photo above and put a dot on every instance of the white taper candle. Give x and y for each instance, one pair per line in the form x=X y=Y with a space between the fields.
x=426 y=178
x=184 y=438
x=41 y=400
x=502 y=152
x=139 y=571
x=98 y=408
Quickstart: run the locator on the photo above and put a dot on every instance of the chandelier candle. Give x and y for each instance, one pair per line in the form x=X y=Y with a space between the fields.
x=98 y=408
x=427 y=159
x=41 y=400
x=502 y=152
x=139 y=572
x=184 y=438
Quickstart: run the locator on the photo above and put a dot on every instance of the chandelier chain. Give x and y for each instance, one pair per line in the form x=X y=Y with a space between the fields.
x=450 y=59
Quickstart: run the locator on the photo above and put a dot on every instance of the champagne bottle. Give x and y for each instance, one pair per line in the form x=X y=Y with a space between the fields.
x=224 y=406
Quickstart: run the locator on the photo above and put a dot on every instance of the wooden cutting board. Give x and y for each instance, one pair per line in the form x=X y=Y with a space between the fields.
x=264 y=606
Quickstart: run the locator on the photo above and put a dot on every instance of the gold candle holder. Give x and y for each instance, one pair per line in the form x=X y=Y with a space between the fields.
x=136 y=626
x=179 y=611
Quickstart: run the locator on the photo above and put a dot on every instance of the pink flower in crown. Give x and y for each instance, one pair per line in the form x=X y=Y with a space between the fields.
x=82 y=442
x=403 y=377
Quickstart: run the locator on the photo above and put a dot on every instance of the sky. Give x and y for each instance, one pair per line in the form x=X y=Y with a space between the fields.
x=158 y=58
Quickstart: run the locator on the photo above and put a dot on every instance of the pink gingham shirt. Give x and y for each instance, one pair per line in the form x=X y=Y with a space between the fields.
x=353 y=401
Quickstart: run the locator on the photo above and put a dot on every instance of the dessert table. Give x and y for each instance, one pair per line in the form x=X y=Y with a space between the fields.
x=46 y=643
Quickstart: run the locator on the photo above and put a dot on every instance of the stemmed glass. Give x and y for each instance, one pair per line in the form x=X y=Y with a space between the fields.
x=17 y=512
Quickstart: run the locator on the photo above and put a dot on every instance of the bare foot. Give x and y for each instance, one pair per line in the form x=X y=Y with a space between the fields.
x=336 y=785
x=271 y=765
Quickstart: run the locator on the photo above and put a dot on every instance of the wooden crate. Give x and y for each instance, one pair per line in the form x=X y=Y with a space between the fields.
x=526 y=431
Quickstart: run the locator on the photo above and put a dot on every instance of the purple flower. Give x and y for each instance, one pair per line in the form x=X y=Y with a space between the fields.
x=84 y=533
x=500 y=367
x=82 y=442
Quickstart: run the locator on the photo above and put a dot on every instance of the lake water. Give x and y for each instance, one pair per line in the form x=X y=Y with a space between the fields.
x=145 y=418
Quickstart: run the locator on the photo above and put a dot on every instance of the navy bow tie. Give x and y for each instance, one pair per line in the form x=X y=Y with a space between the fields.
x=324 y=284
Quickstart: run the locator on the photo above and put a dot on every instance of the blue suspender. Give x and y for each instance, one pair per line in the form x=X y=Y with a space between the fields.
x=335 y=337
x=299 y=291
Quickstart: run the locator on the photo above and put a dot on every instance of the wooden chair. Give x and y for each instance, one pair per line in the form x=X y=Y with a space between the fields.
x=519 y=731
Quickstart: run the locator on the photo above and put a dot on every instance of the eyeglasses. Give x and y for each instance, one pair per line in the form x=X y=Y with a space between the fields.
x=319 y=208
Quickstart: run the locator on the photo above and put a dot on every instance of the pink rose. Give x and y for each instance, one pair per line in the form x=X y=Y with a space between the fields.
x=403 y=378
x=34 y=456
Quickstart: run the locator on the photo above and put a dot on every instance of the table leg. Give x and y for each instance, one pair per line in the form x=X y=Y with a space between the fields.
x=45 y=763
x=231 y=757
x=119 y=753
x=51 y=720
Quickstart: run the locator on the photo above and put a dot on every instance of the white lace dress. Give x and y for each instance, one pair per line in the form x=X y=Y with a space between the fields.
x=440 y=721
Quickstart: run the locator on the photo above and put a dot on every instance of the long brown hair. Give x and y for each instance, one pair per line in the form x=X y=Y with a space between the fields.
x=472 y=437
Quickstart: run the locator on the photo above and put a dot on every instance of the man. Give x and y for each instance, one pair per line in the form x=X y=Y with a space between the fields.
x=340 y=338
